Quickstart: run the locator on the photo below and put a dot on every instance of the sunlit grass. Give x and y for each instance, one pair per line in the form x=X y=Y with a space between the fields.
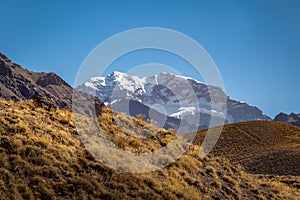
x=41 y=157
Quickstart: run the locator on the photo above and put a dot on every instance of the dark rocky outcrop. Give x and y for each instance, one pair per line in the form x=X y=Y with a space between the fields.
x=20 y=84
x=46 y=79
x=293 y=119
x=137 y=109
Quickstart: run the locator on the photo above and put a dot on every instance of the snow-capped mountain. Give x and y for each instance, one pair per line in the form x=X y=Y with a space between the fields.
x=171 y=95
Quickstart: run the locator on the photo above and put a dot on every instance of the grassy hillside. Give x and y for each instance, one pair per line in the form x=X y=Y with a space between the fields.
x=41 y=157
x=264 y=147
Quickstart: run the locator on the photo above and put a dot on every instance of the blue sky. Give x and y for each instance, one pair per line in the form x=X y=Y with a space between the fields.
x=255 y=44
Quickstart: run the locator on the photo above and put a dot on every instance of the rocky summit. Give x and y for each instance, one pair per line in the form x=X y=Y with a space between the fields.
x=293 y=119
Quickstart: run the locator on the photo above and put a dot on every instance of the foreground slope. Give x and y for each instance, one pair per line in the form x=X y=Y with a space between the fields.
x=41 y=157
x=265 y=147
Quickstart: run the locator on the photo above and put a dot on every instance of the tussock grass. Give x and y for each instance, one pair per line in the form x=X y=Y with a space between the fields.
x=46 y=160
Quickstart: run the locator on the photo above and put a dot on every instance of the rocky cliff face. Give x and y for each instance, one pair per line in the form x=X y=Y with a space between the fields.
x=293 y=119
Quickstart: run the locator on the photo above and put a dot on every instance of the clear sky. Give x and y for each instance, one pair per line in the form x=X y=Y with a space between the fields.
x=255 y=44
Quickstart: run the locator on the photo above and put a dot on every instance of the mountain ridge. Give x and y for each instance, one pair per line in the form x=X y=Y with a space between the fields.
x=46 y=88
x=21 y=84
x=292 y=118
x=172 y=95
x=42 y=157
x=18 y=83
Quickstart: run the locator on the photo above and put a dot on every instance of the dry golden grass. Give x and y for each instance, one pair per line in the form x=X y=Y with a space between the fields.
x=264 y=147
x=41 y=157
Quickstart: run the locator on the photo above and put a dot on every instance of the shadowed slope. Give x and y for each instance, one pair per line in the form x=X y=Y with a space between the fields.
x=264 y=147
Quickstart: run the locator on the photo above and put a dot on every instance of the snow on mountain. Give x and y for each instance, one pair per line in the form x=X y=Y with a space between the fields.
x=175 y=96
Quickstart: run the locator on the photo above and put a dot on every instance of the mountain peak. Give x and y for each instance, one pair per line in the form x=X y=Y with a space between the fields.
x=172 y=95
x=293 y=118
x=3 y=57
x=51 y=78
x=117 y=73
